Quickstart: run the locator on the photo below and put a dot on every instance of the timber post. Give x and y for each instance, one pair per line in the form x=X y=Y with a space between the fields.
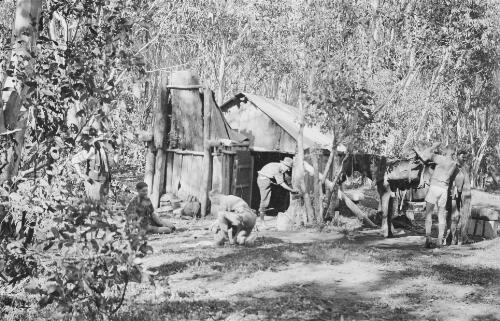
x=207 y=146
x=149 y=170
x=158 y=143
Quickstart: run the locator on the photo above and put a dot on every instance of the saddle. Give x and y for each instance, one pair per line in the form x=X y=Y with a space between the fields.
x=405 y=173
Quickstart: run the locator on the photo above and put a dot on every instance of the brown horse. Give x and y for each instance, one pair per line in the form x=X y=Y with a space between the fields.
x=389 y=176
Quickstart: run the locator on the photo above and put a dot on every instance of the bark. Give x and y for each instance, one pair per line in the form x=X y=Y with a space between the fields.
x=161 y=116
x=207 y=155
x=372 y=34
x=59 y=34
x=300 y=207
x=25 y=34
x=480 y=154
x=187 y=121
x=329 y=194
x=318 y=197
x=332 y=199
x=331 y=186
x=222 y=73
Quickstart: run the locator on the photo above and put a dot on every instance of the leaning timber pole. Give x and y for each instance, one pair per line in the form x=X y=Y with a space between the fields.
x=207 y=111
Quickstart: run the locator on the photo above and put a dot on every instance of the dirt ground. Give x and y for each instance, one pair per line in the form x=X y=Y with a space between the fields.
x=317 y=275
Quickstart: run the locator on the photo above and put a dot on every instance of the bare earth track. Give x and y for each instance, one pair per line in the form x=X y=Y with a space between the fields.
x=313 y=275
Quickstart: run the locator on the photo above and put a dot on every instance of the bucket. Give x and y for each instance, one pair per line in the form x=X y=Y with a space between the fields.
x=284 y=222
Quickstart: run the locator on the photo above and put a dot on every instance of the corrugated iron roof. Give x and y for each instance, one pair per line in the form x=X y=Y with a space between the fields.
x=285 y=116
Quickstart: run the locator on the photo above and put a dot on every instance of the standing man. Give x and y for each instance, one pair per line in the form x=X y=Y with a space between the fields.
x=272 y=173
x=439 y=189
x=97 y=174
x=235 y=219
x=140 y=209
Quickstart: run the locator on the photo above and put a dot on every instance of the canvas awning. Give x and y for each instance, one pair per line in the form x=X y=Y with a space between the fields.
x=285 y=116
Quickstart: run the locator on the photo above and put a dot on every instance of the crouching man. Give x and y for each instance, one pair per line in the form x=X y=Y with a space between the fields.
x=140 y=211
x=235 y=220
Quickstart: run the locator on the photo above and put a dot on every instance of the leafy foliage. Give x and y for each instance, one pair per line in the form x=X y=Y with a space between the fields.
x=86 y=252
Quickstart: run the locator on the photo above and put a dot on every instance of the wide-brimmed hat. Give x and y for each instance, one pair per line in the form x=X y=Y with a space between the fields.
x=287 y=161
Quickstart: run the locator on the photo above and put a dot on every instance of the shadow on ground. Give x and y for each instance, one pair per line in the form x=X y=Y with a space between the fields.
x=291 y=302
x=397 y=292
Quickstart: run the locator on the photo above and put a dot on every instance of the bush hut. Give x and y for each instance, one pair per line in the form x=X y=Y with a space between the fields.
x=191 y=147
x=272 y=129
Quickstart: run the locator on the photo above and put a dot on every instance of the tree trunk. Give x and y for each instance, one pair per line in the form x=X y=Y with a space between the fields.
x=329 y=194
x=480 y=154
x=222 y=73
x=318 y=197
x=25 y=34
x=300 y=206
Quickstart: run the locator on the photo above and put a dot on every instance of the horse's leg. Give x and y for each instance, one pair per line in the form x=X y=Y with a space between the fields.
x=386 y=223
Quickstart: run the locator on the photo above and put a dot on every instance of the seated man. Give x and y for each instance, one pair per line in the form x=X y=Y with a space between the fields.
x=141 y=209
x=234 y=219
x=439 y=189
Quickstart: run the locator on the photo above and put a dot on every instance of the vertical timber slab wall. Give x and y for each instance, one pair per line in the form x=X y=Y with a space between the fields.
x=183 y=173
x=176 y=172
x=168 y=172
x=217 y=172
x=187 y=118
x=227 y=172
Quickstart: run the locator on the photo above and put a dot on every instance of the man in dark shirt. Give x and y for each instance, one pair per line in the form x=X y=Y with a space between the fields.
x=140 y=210
x=272 y=173
x=439 y=189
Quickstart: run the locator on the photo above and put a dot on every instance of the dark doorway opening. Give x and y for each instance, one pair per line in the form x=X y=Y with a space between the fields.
x=280 y=198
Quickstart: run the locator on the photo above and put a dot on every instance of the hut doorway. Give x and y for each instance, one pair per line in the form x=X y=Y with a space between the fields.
x=280 y=198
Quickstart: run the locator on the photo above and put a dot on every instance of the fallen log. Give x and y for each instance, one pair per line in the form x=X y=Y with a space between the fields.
x=355 y=209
